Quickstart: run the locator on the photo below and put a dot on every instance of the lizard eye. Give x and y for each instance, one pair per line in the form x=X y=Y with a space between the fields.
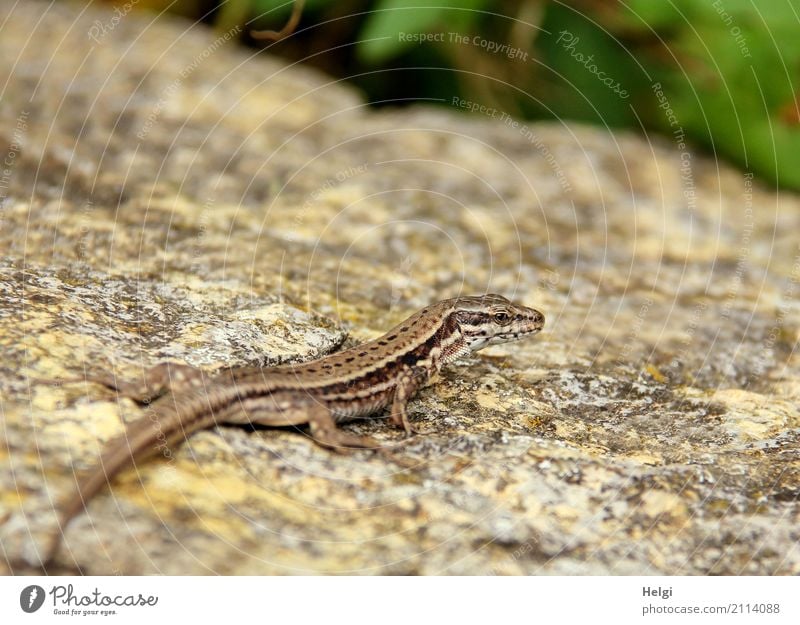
x=502 y=318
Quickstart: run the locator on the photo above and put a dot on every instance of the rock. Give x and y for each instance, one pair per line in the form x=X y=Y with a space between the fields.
x=169 y=196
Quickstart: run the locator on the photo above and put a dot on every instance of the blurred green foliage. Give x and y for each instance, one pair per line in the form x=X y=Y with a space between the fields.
x=721 y=72
x=728 y=69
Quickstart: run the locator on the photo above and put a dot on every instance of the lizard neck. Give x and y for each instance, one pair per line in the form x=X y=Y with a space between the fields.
x=448 y=343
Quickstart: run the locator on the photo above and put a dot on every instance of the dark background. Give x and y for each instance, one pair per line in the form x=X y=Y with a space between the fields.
x=720 y=74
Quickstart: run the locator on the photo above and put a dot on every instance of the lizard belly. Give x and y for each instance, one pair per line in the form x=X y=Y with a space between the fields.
x=277 y=409
x=346 y=409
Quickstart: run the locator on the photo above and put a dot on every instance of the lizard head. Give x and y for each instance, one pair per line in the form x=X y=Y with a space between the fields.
x=492 y=319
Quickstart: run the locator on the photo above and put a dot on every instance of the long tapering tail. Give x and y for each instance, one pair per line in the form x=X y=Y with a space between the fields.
x=158 y=433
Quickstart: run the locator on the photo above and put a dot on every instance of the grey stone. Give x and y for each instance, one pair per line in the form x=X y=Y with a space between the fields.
x=171 y=196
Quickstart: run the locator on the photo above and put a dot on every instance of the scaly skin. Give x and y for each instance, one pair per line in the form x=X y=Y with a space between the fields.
x=357 y=382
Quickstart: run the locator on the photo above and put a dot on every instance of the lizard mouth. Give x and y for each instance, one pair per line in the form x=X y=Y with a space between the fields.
x=511 y=336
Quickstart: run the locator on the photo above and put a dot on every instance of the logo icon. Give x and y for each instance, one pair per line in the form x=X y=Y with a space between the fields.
x=31 y=598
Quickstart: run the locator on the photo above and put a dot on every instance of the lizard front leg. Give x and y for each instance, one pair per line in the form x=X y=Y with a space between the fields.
x=409 y=382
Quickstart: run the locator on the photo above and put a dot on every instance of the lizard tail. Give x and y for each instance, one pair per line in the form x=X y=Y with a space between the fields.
x=156 y=434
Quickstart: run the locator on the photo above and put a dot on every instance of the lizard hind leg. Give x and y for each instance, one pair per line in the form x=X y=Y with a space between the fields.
x=156 y=381
x=291 y=409
x=153 y=383
x=326 y=433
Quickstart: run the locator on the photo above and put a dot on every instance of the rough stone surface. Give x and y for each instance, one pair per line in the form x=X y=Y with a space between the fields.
x=165 y=195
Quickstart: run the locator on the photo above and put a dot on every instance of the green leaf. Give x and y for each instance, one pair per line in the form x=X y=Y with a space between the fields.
x=657 y=15
x=589 y=75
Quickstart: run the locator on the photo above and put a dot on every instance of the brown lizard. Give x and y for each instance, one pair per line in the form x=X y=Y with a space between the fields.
x=354 y=383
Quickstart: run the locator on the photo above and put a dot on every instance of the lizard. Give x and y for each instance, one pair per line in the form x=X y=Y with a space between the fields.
x=357 y=382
